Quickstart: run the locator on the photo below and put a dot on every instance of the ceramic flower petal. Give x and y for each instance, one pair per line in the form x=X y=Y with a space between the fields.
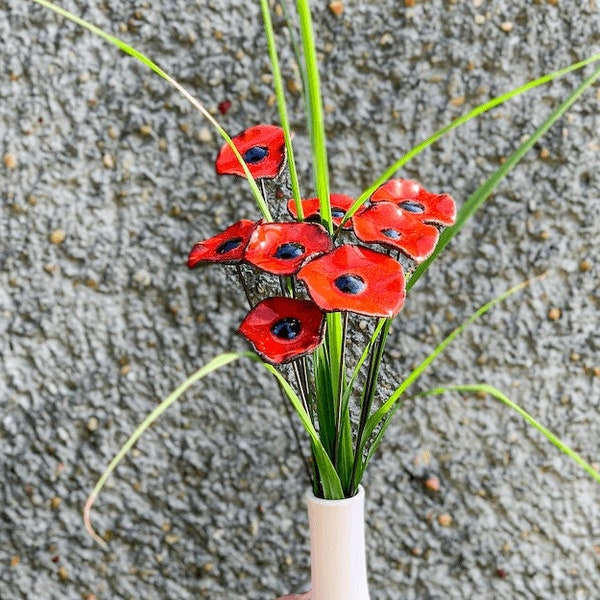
x=226 y=247
x=355 y=279
x=385 y=223
x=281 y=329
x=282 y=248
x=311 y=209
x=263 y=149
x=415 y=201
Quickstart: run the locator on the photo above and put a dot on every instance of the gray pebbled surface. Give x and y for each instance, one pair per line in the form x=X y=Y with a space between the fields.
x=96 y=329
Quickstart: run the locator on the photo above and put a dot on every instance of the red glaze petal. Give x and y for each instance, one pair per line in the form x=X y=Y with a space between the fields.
x=311 y=208
x=226 y=247
x=281 y=329
x=385 y=223
x=416 y=202
x=356 y=279
x=281 y=248
x=263 y=149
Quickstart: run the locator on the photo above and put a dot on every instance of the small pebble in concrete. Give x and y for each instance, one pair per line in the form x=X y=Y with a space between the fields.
x=585 y=265
x=445 y=520
x=554 y=314
x=336 y=7
x=108 y=161
x=10 y=160
x=143 y=278
x=58 y=236
x=433 y=484
x=204 y=135
x=506 y=26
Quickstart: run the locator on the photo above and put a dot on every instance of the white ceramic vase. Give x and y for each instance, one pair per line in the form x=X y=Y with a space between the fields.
x=337 y=548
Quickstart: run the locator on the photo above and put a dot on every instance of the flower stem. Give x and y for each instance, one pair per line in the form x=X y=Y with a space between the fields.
x=340 y=391
x=368 y=397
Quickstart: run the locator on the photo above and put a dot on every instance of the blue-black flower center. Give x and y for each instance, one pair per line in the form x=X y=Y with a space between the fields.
x=255 y=154
x=350 y=284
x=229 y=245
x=289 y=250
x=337 y=213
x=412 y=206
x=287 y=328
x=393 y=234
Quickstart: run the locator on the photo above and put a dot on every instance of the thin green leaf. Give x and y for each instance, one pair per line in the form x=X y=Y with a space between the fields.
x=479 y=110
x=216 y=363
x=281 y=104
x=332 y=487
x=314 y=108
x=382 y=416
x=498 y=395
x=258 y=197
x=480 y=195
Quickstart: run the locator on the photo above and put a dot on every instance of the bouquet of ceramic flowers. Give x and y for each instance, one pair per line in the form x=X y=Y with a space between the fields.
x=324 y=276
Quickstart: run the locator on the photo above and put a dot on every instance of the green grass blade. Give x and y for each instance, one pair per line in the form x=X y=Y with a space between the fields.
x=281 y=104
x=127 y=49
x=361 y=360
x=314 y=109
x=498 y=395
x=332 y=487
x=479 y=110
x=216 y=363
x=480 y=195
x=382 y=416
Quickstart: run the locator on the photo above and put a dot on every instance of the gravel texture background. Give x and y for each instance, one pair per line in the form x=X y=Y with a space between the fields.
x=107 y=181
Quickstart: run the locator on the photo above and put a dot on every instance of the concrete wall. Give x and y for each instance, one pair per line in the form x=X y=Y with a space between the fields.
x=107 y=182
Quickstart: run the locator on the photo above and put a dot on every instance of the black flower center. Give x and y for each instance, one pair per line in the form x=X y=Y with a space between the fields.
x=255 y=154
x=289 y=250
x=287 y=328
x=412 y=206
x=393 y=234
x=229 y=245
x=350 y=284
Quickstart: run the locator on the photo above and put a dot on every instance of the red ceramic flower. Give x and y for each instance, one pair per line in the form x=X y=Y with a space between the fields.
x=415 y=201
x=263 y=149
x=385 y=223
x=281 y=329
x=281 y=248
x=226 y=247
x=311 y=209
x=356 y=279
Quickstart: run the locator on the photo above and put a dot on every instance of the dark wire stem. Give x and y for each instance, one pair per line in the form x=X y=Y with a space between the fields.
x=376 y=356
x=340 y=391
x=300 y=380
x=240 y=275
x=263 y=190
x=292 y=420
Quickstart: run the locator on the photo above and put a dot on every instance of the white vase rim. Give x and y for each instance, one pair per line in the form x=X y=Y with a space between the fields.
x=358 y=497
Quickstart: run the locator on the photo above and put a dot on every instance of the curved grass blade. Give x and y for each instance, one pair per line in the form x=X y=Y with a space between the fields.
x=216 y=363
x=498 y=395
x=127 y=49
x=482 y=193
x=479 y=110
x=332 y=487
x=382 y=416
